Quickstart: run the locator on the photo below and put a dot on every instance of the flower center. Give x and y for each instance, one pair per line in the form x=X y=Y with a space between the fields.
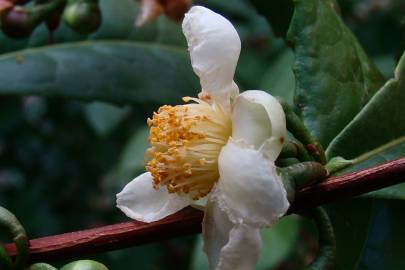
x=185 y=144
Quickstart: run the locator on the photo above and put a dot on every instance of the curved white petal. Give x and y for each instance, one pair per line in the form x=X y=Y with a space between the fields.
x=216 y=227
x=249 y=189
x=259 y=120
x=242 y=250
x=214 y=47
x=140 y=201
x=229 y=246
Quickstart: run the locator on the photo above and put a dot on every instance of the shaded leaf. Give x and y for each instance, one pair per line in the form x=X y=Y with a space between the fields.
x=350 y=220
x=334 y=77
x=278 y=13
x=384 y=249
x=122 y=72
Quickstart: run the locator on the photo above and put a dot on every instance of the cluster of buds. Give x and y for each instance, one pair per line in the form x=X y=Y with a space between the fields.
x=19 y=21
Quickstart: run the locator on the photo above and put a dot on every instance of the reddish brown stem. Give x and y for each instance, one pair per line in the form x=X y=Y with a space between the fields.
x=187 y=221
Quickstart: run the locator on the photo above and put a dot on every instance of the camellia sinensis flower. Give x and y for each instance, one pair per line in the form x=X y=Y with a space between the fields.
x=221 y=146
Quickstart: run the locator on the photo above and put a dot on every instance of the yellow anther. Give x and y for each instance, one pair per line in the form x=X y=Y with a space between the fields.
x=185 y=146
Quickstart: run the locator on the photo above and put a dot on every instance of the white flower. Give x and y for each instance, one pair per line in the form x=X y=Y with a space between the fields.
x=222 y=147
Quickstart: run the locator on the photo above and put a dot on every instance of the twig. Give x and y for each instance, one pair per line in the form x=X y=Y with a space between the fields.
x=187 y=221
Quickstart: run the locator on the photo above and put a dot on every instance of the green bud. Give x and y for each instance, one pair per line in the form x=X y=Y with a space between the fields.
x=84 y=265
x=83 y=16
x=42 y=266
x=306 y=173
x=9 y=222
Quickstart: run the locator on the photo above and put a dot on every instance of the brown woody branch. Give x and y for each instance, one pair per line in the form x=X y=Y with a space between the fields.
x=118 y=236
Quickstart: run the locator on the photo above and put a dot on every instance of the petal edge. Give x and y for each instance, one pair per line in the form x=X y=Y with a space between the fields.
x=140 y=201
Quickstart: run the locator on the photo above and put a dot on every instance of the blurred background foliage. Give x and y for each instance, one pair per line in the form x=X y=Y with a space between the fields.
x=73 y=131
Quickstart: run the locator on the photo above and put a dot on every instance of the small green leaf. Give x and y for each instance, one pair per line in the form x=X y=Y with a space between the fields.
x=334 y=77
x=121 y=72
x=390 y=153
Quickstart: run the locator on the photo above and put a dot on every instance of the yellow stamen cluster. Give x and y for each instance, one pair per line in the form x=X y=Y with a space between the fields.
x=185 y=143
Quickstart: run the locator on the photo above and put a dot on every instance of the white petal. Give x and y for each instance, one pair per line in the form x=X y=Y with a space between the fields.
x=214 y=47
x=258 y=118
x=229 y=246
x=249 y=189
x=140 y=201
x=216 y=228
x=243 y=249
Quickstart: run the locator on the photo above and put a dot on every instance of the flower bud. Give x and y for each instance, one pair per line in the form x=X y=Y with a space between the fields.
x=84 y=265
x=17 y=22
x=5 y=6
x=83 y=16
x=41 y=266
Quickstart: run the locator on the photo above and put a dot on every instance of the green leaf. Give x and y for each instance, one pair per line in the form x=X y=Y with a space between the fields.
x=350 y=221
x=334 y=77
x=122 y=72
x=379 y=125
x=377 y=133
x=278 y=242
x=384 y=249
x=163 y=30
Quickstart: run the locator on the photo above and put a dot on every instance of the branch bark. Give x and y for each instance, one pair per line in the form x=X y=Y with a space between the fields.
x=188 y=221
